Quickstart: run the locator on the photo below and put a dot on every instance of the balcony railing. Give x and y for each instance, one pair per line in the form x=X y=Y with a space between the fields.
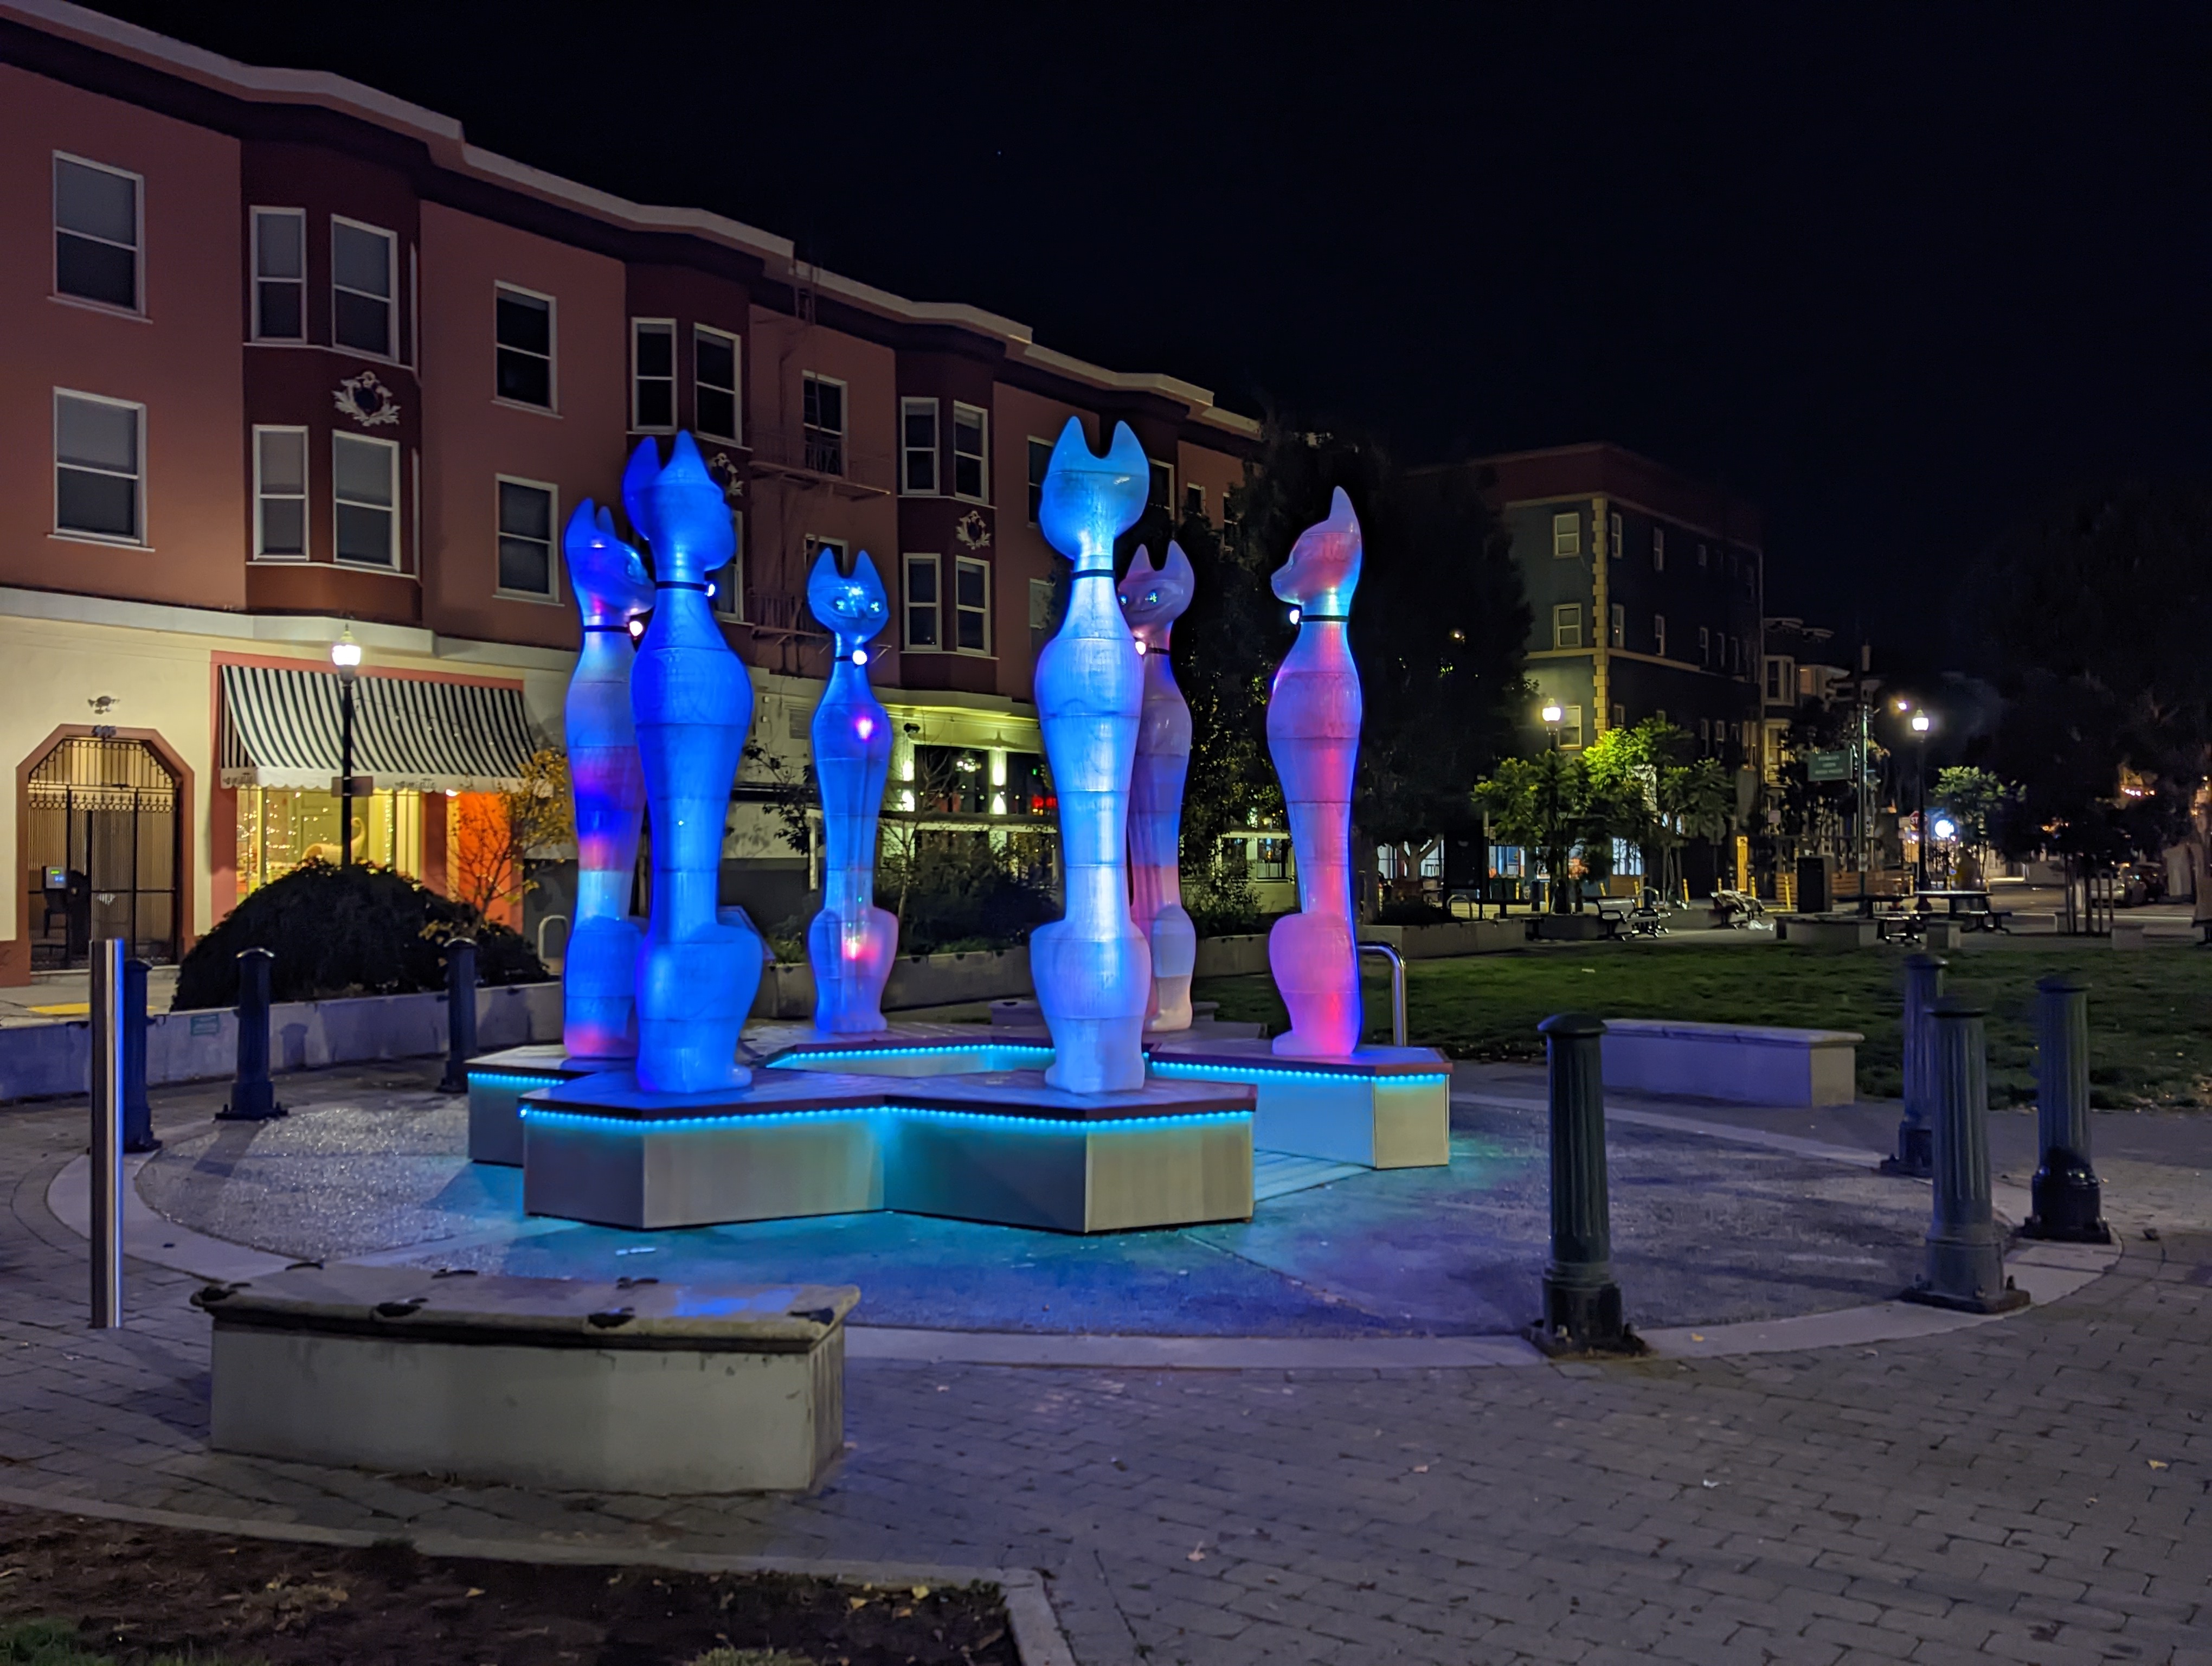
x=814 y=457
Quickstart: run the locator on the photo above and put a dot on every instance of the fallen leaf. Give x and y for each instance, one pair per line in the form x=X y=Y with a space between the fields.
x=1196 y=1555
x=2156 y=1463
x=1420 y=1469
x=1709 y=1483
x=474 y=1590
x=857 y=1601
x=1695 y=1337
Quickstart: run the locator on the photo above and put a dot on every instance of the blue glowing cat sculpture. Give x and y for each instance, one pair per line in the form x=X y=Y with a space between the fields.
x=694 y=704
x=851 y=942
x=1152 y=599
x=1092 y=968
x=598 y=980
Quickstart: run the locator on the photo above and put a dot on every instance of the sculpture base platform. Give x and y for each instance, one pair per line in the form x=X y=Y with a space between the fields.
x=1382 y=1108
x=991 y=1145
x=497 y=1082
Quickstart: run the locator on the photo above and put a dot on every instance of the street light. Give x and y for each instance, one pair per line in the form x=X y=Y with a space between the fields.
x=1554 y=715
x=345 y=655
x=1921 y=724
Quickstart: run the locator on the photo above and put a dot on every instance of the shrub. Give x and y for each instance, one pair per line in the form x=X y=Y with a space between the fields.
x=357 y=931
x=958 y=894
x=1221 y=901
x=1412 y=912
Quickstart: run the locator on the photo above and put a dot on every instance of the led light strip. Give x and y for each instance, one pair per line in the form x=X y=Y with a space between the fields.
x=1048 y=1125
x=1235 y=1072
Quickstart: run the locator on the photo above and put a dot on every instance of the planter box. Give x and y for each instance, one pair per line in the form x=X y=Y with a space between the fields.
x=1586 y=928
x=48 y=1061
x=1231 y=957
x=1829 y=931
x=1444 y=938
x=1747 y=1064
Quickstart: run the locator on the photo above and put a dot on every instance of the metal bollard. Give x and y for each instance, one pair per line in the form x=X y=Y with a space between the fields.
x=2069 y=1200
x=1923 y=986
x=252 y=1098
x=1397 y=989
x=1965 y=1246
x=460 y=1013
x=1582 y=1303
x=137 y=1113
x=108 y=1029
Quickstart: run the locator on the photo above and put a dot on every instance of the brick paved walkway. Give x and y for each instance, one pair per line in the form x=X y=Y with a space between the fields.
x=2038 y=1489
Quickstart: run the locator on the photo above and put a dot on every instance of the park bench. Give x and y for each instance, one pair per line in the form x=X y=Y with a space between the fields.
x=1747 y=1064
x=625 y=1386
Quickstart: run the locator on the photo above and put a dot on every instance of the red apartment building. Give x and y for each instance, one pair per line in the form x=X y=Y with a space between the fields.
x=287 y=358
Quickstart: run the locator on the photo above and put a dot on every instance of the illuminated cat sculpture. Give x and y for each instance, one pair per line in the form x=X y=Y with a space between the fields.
x=1313 y=733
x=599 y=983
x=1091 y=967
x=700 y=963
x=1152 y=599
x=851 y=941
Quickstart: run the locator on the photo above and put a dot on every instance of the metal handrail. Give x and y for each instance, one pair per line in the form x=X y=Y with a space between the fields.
x=1397 y=989
x=543 y=924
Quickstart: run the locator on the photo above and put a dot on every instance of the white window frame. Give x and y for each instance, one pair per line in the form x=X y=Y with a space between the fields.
x=639 y=328
x=137 y=308
x=1570 y=723
x=552 y=405
x=1566 y=618
x=1613 y=529
x=391 y=300
x=736 y=343
x=1037 y=486
x=981 y=454
x=916 y=406
x=1704 y=645
x=137 y=540
x=262 y=495
x=1658 y=549
x=338 y=437
x=841 y=433
x=1659 y=634
x=729 y=603
x=908 y=563
x=552 y=592
x=255 y=215
x=1567 y=534
x=1194 y=498
x=962 y=564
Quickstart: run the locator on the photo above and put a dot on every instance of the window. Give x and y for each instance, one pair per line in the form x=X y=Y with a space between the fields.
x=1040 y=461
x=651 y=375
x=924 y=604
x=98 y=474
x=822 y=412
x=1567 y=534
x=1628 y=858
x=280 y=274
x=524 y=325
x=1162 y=494
x=971 y=605
x=1193 y=500
x=917 y=447
x=1620 y=634
x=726 y=583
x=1704 y=645
x=1658 y=549
x=365 y=489
x=1705 y=735
x=362 y=266
x=280 y=494
x=1042 y=594
x=971 y=450
x=526 y=519
x=1620 y=717
x=1701 y=554
x=1613 y=531
x=714 y=359
x=1567 y=625
x=1659 y=634
x=1571 y=728
x=96 y=232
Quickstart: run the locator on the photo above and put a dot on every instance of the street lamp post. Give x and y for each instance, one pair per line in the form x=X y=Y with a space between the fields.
x=345 y=655
x=1554 y=715
x=1921 y=724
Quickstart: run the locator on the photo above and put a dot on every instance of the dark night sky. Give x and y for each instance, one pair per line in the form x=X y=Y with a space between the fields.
x=1899 y=273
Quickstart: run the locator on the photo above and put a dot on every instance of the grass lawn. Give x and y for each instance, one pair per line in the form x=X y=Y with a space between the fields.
x=2150 y=1012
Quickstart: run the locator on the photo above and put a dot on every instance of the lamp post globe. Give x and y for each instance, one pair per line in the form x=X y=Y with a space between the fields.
x=1554 y=715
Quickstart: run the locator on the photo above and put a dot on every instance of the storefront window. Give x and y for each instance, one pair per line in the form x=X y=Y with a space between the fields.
x=280 y=827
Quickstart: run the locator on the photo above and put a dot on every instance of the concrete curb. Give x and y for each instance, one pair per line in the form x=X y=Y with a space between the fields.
x=1037 y=1636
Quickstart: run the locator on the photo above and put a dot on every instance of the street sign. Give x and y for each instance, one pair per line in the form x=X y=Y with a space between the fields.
x=1828 y=766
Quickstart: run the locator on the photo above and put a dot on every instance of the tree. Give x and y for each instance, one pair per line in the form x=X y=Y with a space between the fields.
x=1648 y=787
x=1546 y=805
x=495 y=833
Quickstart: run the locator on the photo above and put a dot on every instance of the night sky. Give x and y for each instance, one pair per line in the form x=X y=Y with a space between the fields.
x=1901 y=275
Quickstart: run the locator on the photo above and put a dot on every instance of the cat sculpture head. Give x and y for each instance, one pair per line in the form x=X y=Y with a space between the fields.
x=679 y=511
x=851 y=604
x=1087 y=501
x=1323 y=569
x=1154 y=598
x=612 y=586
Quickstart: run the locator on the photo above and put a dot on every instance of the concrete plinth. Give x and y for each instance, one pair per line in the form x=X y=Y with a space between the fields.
x=991 y=1145
x=497 y=1082
x=623 y=1387
x=1382 y=1108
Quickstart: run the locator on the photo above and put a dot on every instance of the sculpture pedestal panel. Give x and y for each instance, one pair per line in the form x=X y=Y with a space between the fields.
x=497 y=1082
x=1381 y=1107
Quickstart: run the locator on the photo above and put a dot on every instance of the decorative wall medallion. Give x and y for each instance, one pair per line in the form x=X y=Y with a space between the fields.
x=368 y=400
x=727 y=471
x=973 y=531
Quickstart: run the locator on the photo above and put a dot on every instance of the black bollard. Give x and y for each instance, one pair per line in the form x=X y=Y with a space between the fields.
x=1965 y=1246
x=1916 y=1151
x=252 y=1098
x=460 y=1013
x=1582 y=1303
x=138 y=1114
x=2069 y=1201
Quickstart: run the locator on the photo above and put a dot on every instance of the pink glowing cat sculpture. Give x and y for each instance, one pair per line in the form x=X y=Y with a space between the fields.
x=1152 y=599
x=1313 y=733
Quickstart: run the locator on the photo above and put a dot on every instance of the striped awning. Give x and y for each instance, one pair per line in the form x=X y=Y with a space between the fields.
x=281 y=728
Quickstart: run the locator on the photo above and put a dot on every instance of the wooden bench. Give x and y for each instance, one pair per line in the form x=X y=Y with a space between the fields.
x=1747 y=1064
x=628 y=1386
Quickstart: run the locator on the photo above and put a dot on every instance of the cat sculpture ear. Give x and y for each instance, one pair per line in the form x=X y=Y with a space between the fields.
x=1323 y=569
x=1088 y=500
x=606 y=574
